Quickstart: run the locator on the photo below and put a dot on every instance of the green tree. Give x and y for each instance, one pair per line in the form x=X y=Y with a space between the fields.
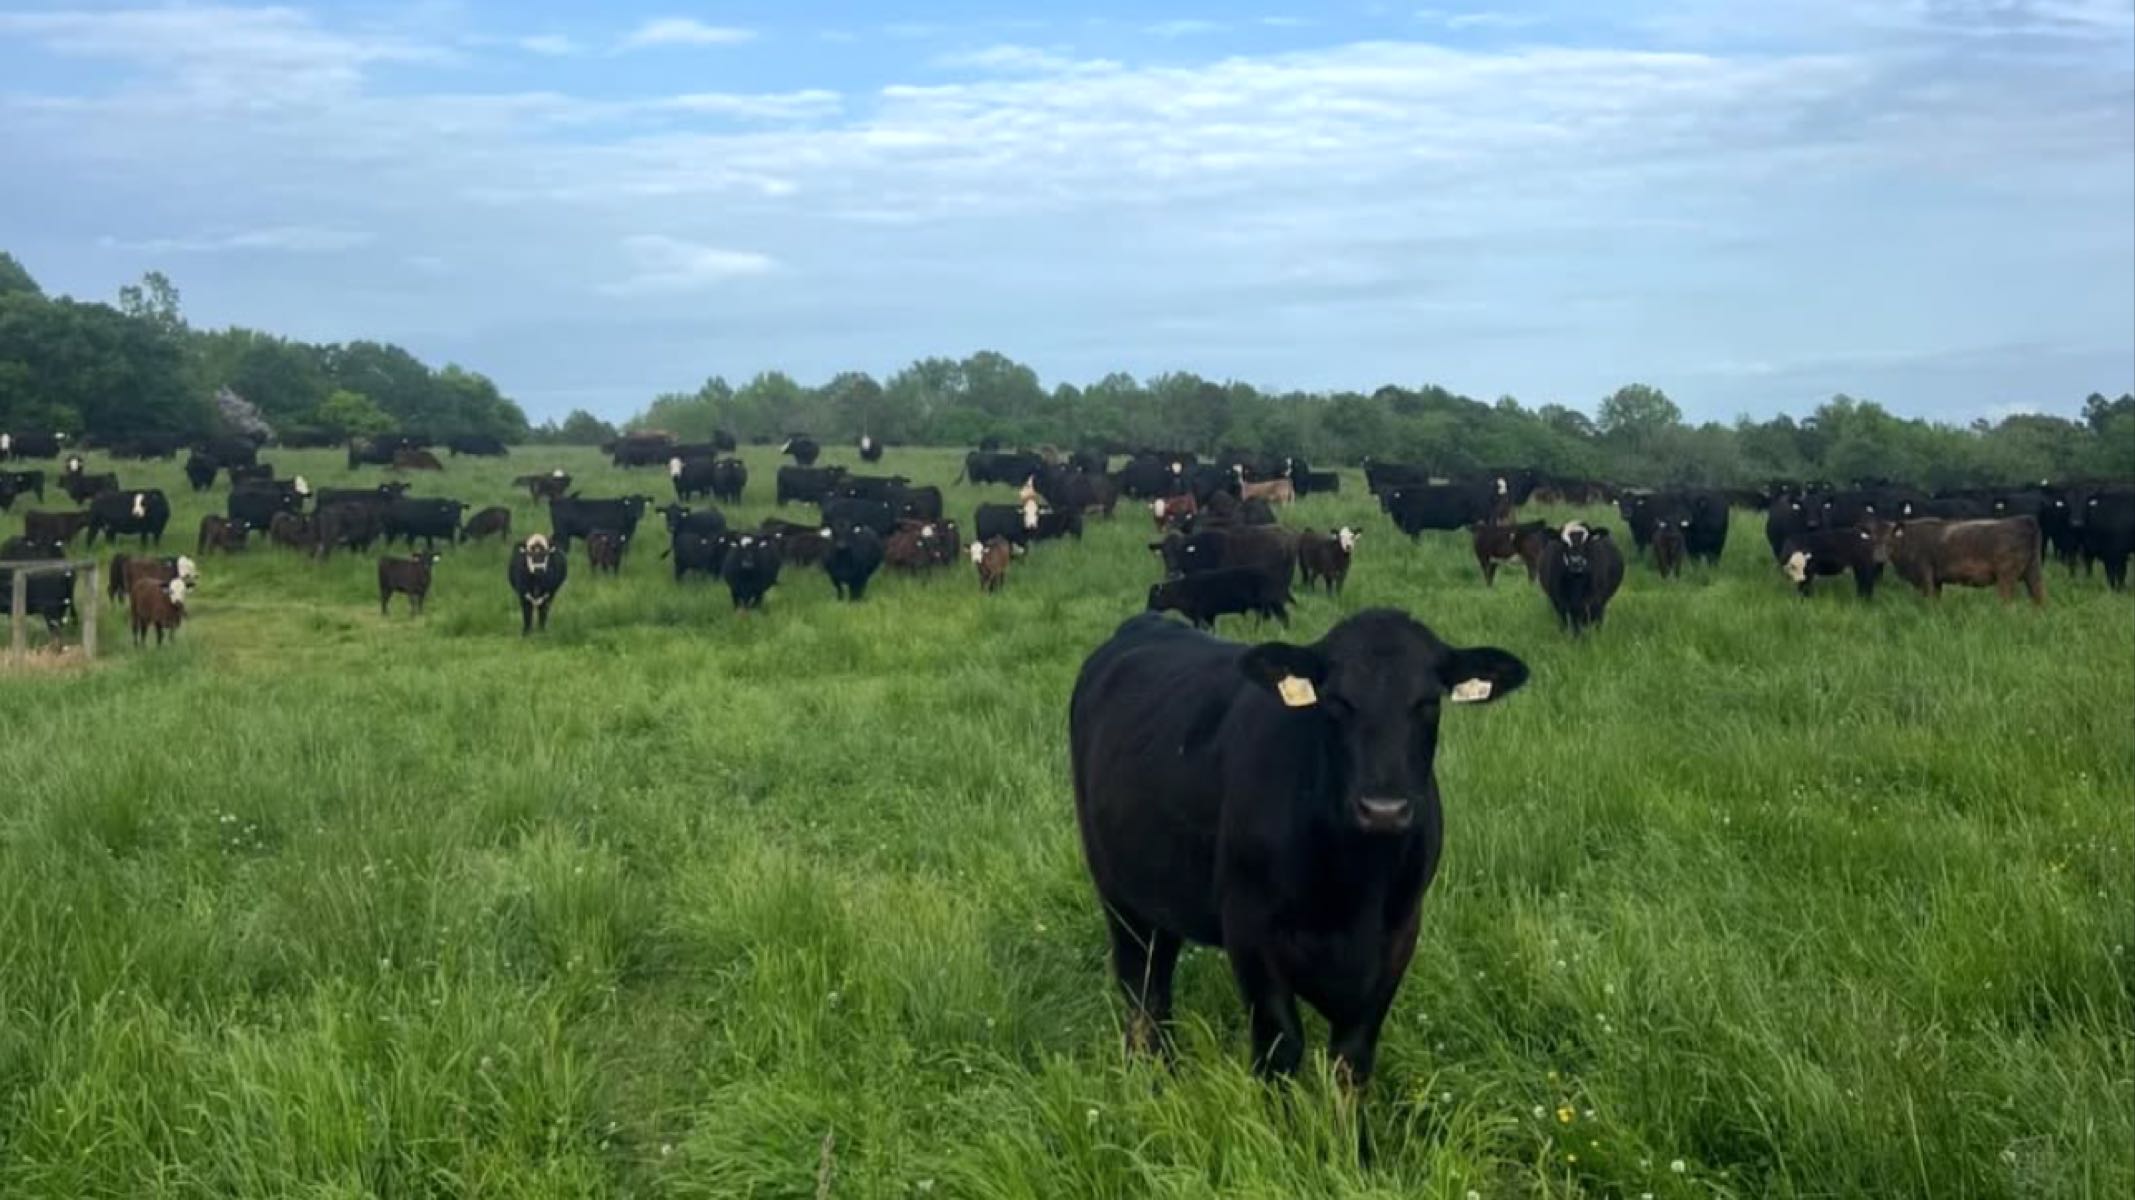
x=154 y=301
x=582 y=428
x=1636 y=412
x=352 y=414
x=15 y=278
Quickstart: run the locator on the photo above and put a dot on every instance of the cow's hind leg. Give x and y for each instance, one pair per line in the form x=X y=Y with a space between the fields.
x=1143 y=959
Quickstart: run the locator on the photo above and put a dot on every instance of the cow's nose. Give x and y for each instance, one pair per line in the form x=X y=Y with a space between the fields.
x=1384 y=814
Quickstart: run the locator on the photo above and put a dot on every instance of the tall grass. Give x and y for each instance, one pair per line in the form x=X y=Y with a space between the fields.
x=1743 y=896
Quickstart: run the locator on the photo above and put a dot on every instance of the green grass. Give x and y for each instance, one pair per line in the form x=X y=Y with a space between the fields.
x=1815 y=899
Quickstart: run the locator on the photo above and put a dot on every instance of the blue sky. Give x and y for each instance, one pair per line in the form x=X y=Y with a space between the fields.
x=1927 y=202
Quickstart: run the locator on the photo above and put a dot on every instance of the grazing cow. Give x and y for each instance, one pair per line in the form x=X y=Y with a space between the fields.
x=544 y=487
x=291 y=530
x=416 y=460
x=917 y=503
x=704 y=522
x=992 y=466
x=1016 y=524
x=476 y=445
x=1324 y=557
x=536 y=573
x=31 y=445
x=231 y=451
x=410 y=576
x=377 y=497
x=256 y=473
x=643 y=449
x=1203 y=597
x=158 y=605
x=256 y=503
x=750 y=570
x=1383 y=477
x=1495 y=543
x=82 y=487
x=870 y=487
x=1669 y=546
x=427 y=518
x=856 y=553
x=148 y=445
x=1316 y=483
x=371 y=452
x=60 y=527
x=809 y=485
x=125 y=568
x=604 y=550
x=221 y=533
x=1277 y=801
x=1789 y=516
x=200 y=471
x=49 y=595
x=803 y=449
x=2105 y=524
x=1418 y=507
x=1860 y=549
x=1581 y=569
x=991 y=558
x=1145 y=478
x=1270 y=551
x=1065 y=487
x=917 y=547
x=729 y=477
x=870 y=449
x=143 y=514
x=351 y=526
x=692 y=477
x=20 y=483
x=571 y=516
x=1929 y=554
x=494 y=521
x=697 y=552
x=875 y=514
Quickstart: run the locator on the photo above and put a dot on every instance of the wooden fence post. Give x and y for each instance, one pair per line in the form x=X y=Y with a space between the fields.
x=96 y=609
x=18 y=609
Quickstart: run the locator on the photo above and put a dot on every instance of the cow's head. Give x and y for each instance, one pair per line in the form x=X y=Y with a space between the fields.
x=674 y=468
x=176 y=590
x=187 y=570
x=537 y=550
x=1378 y=682
x=1346 y=538
x=74 y=464
x=1577 y=539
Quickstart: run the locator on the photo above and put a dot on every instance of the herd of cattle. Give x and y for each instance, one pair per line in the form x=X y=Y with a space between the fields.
x=1220 y=540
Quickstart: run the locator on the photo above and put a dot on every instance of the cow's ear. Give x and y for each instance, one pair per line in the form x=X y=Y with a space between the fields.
x=1291 y=672
x=1480 y=674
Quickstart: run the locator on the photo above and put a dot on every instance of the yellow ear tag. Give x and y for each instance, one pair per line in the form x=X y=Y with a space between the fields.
x=1468 y=691
x=1297 y=692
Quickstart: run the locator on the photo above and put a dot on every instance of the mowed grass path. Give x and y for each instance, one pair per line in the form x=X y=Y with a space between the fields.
x=1743 y=896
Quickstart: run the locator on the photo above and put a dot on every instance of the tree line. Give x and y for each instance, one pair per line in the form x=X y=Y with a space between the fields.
x=134 y=367
x=1636 y=435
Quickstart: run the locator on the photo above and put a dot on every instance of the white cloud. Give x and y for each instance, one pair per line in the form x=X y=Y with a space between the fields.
x=289 y=239
x=549 y=45
x=1182 y=27
x=1284 y=22
x=1022 y=60
x=810 y=104
x=683 y=31
x=665 y=265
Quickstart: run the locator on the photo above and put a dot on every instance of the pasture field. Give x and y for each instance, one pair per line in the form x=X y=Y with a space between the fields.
x=1743 y=896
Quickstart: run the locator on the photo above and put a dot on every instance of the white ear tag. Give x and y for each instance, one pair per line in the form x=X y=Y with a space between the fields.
x=1468 y=691
x=1297 y=692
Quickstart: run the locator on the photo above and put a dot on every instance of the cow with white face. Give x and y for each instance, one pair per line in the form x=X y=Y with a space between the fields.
x=537 y=572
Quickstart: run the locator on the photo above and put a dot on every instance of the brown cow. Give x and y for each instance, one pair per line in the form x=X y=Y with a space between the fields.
x=1495 y=543
x=58 y=527
x=991 y=558
x=290 y=529
x=1173 y=512
x=916 y=546
x=1274 y=491
x=128 y=568
x=541 y=488
x=604 y=550
x=1668 y=546
x=1929 y=554
x=409 y=459
x=410 y=576
x=218 y=532
x=159 y=604
x=1325 y=556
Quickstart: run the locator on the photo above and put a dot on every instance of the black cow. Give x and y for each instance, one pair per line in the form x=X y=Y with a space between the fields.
x=200 y=471
x=409 y=576
x=870 y=449
x=1277 y=801
x=1862 y=550
x=1204 y=596
x=143 y=514
x=256 y=503
x=697 y=552
x=870 y=487
x=426 y=518
x=476 y=445
x=855 y=555
x=49 y=595
x=750 y=570
x=1786 y=517
x=798 y=545
x=640 y=449
x=376 y=497
x=30 y=445
x=1148 y=478
x=1580 y=571
x=571 y=516
x=704 y=522
x=994 y=466
x=1316 y=483
x=808 y=485
x=729 y=477
x=692 y=477
x=82 y=487
x=49 y=527
x=1064 y=487
x=2106 y=523
x=148 y=445
x=537 y=572
x=803 y=449
x=917 y=503
x=875 y=514
x=1418 y=507
x=1270 y=551
x=371 y=452
x=494 y=521
x=231 y=451
x=1383 y=477
x=1016 y=524
x=20 y=483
